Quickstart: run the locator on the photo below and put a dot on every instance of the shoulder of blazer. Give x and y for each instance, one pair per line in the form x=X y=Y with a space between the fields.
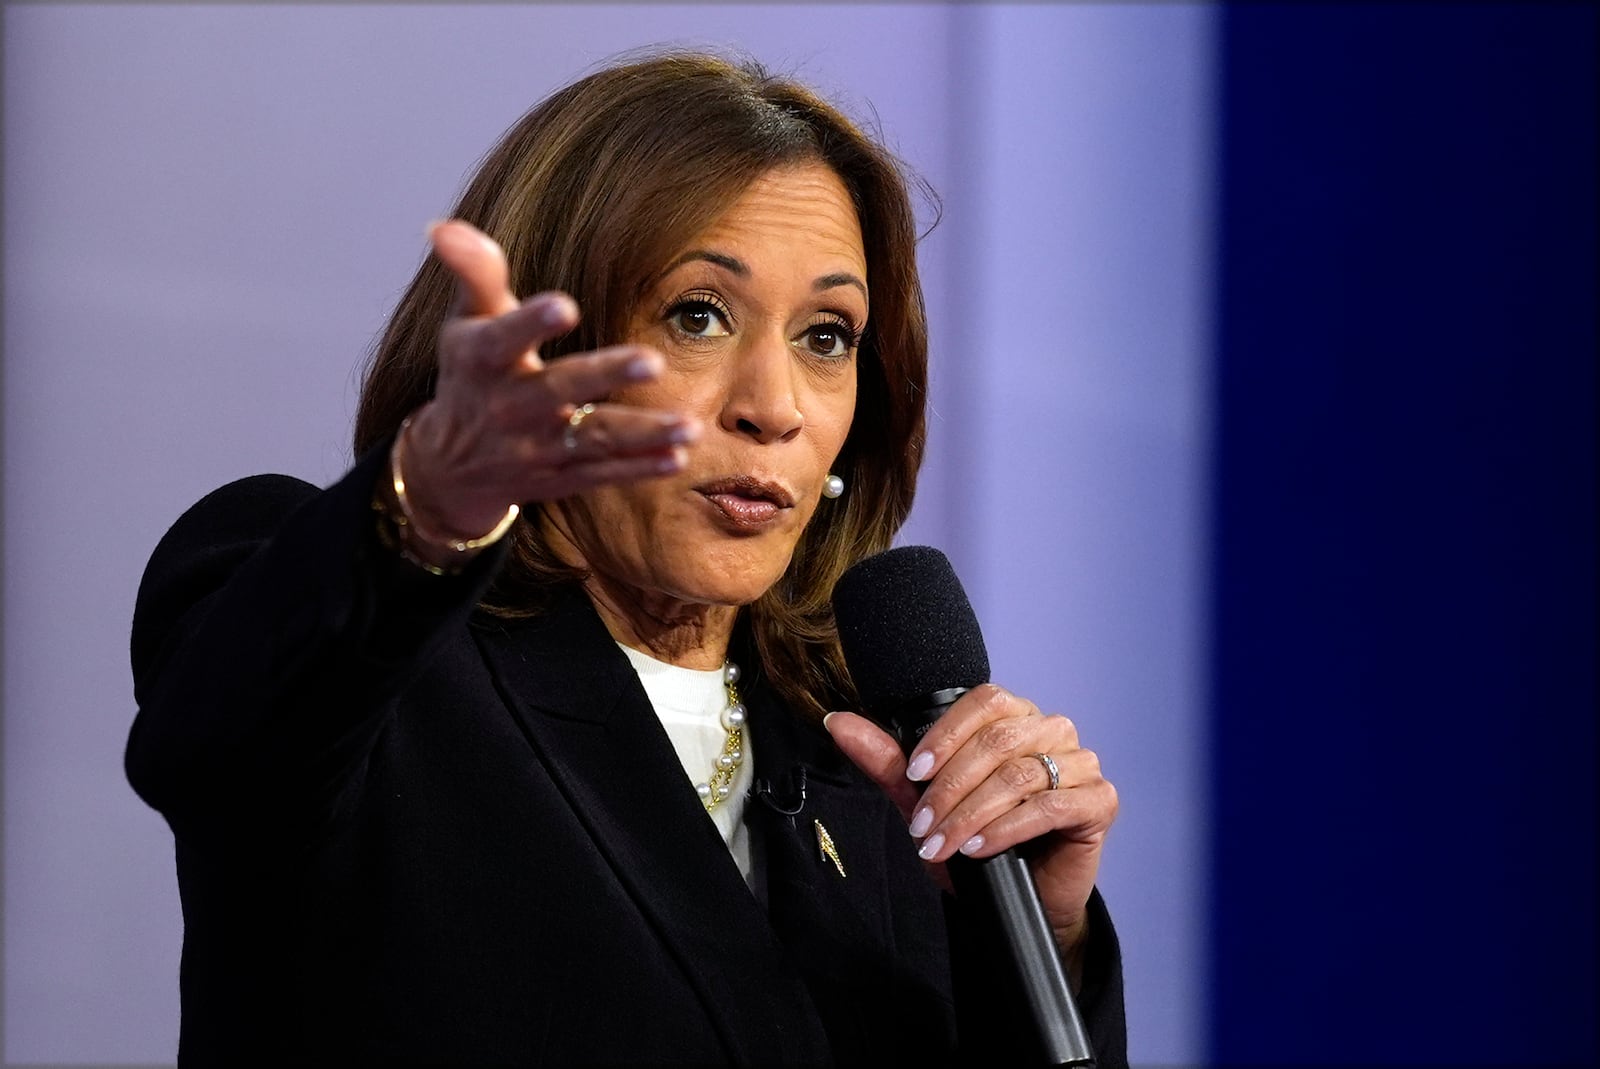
x=204 y=546
x=264 y=599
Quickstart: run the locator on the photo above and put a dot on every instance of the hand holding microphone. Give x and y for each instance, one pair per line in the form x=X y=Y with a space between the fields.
x=976 y=771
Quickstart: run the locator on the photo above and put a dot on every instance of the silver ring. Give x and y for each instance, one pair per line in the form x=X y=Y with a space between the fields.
x=1050 y=766
x=569 y=435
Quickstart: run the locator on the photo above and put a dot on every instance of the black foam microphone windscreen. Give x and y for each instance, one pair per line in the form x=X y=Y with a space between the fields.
x=907 y=629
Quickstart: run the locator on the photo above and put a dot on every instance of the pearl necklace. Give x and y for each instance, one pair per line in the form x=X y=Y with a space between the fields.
x=716 y=789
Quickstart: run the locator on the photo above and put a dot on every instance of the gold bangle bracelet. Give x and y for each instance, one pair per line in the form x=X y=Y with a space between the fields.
x=407 y=519
x=389 y=537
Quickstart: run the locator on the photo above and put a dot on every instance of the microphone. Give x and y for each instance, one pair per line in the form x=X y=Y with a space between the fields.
x=766 y=792
x=912 y=644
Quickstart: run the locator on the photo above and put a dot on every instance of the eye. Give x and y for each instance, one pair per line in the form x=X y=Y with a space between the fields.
x=832 y=338
x=699 y=317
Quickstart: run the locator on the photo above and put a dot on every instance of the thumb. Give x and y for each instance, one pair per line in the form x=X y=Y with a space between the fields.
x=479 y=264
x=875 y=753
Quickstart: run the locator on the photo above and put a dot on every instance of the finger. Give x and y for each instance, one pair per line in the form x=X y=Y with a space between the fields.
x=593 y=376
x=993 y=771
x=874 y=752
x=1082 y=813
x=586 y=476
x=981 y=705
x=533 y=403
x=1002 y=749
x=479 y=264
x=493 y=344
x=967 y=825
x=620 y=431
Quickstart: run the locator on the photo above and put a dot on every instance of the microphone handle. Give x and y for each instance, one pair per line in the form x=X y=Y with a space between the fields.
x=1004 y=884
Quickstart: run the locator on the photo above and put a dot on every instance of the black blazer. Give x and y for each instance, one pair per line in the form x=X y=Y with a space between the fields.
x=412 y=834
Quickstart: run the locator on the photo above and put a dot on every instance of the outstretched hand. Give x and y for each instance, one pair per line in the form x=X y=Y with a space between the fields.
x=497 y=431
x=975 y=786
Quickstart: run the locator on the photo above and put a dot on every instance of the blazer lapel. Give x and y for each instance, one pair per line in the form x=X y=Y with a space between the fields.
x=869 y=942
x=816 y=907
x=588 y=720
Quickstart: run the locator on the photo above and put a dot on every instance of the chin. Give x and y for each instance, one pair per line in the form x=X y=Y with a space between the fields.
x=721 y=581
x=735 y=595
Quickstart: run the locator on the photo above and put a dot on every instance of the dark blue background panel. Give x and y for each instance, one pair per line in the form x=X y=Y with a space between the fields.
x=1404 y=537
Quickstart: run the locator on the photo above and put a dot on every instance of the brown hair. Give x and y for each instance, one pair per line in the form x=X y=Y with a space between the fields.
x=590 y=193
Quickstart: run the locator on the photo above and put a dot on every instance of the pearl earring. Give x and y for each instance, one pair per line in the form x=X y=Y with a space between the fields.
x=832 y=486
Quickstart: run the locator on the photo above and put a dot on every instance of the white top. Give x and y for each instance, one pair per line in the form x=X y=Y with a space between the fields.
x=690 y=704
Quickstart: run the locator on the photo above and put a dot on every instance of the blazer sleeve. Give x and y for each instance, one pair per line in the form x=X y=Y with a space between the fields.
x=271 y=634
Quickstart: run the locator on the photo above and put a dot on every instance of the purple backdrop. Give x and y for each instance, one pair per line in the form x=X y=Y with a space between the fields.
x=209 y=210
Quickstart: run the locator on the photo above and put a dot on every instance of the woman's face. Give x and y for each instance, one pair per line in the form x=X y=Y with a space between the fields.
x=758 y=318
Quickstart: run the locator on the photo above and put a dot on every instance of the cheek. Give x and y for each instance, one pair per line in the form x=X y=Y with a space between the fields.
x=679 y=389
x=611 y=522
x=835 y=414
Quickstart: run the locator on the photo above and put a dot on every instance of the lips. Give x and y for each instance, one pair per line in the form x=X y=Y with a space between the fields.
x=746 y=503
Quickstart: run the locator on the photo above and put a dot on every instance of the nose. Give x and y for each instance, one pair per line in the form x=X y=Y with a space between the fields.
x=761 y=401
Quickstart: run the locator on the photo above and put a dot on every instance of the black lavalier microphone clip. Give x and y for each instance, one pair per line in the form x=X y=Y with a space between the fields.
x=764 y=791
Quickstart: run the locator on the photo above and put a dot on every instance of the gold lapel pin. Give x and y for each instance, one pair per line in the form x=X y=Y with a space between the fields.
x=825 y=845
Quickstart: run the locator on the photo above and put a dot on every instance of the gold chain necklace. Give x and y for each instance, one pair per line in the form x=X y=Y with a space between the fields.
x=719 y=786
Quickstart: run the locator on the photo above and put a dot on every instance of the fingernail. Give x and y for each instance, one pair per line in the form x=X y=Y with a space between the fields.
x=825 y=720
x=931 y=847
x=684 y=433
x=972 y=845
x=489 y=244
x=557 y=312
x=670 y=463
x=920 y=764
x=643 y=367
x=921 y=821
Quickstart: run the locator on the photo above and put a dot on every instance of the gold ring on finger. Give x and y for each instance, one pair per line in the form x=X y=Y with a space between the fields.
x=1049 y=764
x=569 y=434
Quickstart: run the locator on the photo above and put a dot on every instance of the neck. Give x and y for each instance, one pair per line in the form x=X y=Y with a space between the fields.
x=685 y=633
x=680 y=633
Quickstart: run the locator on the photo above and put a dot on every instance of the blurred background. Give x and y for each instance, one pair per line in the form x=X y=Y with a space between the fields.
x=1263 y=437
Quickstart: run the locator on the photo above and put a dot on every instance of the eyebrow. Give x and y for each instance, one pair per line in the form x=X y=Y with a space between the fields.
x=841 y=278
x=742 y=270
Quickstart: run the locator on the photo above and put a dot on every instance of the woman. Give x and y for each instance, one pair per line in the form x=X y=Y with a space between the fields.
x=440 y=767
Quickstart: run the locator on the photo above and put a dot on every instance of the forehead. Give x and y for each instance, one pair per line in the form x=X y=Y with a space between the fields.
x=803 y=208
